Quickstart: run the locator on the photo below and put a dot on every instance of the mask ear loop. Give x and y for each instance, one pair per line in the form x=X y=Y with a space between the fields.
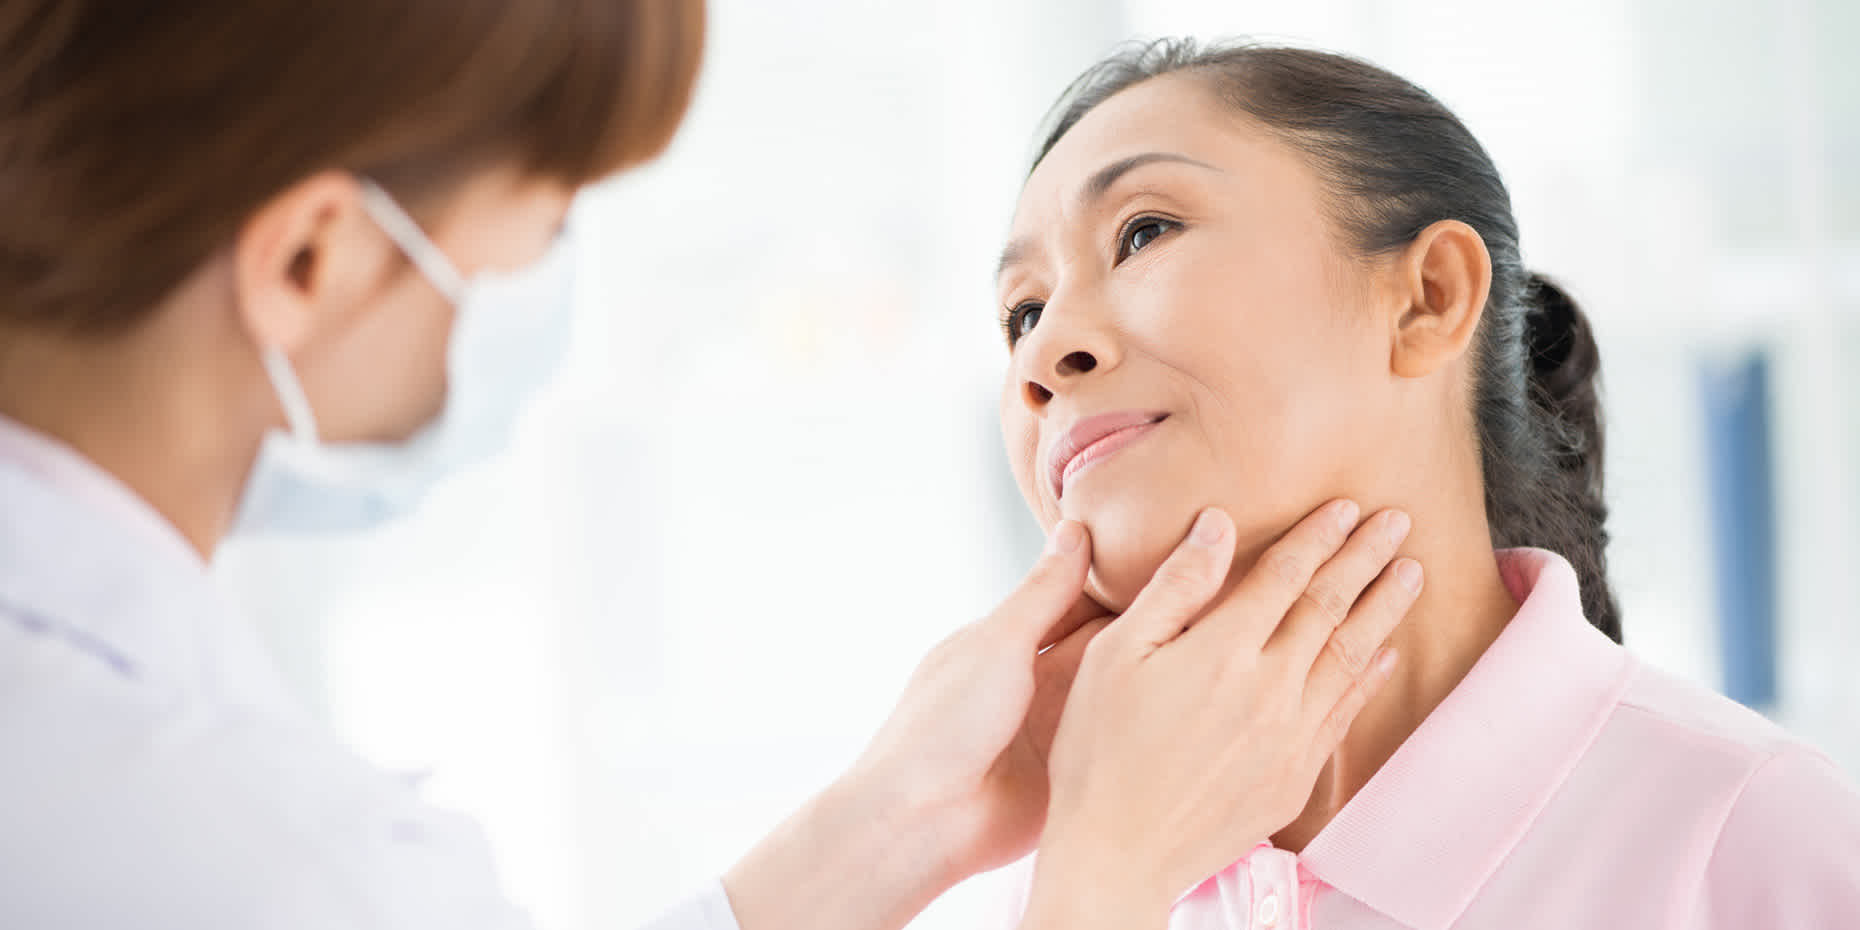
x=418 y=248
x=413 y=241
x=290 y=393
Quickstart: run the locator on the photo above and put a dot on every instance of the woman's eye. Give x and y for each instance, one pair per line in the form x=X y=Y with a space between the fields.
x=1022 y=320
x=1141 y=233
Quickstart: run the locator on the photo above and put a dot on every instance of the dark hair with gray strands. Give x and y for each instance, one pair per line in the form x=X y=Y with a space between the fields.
x=1395 y=161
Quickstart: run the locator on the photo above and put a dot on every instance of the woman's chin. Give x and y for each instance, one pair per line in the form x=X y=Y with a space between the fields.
x=1125 y=554
x=1113 y=594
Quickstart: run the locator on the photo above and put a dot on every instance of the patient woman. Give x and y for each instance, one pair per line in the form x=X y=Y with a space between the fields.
x=1258 y=278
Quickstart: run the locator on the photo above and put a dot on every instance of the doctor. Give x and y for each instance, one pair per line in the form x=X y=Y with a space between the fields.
x=272 y=266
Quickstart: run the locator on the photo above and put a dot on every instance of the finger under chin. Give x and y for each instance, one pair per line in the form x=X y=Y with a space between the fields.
x=1050 y=591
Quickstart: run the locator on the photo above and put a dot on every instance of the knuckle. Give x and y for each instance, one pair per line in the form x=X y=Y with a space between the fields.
x=1045 y=573
x=1182 y=575
x=1283 y=567
x=1336 y=723
x=1365 y=554
x=1345 y=653
x=1330 y=600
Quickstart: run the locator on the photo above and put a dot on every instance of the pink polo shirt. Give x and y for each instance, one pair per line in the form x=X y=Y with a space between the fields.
x=1565 y=784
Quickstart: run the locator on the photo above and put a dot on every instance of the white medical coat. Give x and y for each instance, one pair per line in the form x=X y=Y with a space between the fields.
x=154 y=771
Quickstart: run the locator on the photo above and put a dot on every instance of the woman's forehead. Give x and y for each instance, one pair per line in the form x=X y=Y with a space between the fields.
x=1174 y=115
x=1161 y=113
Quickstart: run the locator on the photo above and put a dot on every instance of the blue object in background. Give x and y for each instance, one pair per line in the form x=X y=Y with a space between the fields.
x=1737 y=435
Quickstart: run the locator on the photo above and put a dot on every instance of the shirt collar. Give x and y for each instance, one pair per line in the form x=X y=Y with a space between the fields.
x=1420 y=839
x=84 y=555
x=67 y=472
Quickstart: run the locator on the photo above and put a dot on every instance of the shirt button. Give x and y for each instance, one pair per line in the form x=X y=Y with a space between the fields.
x=1269 y=910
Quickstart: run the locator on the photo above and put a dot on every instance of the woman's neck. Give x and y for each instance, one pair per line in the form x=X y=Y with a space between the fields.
x=153 y=407
x=1463 y=608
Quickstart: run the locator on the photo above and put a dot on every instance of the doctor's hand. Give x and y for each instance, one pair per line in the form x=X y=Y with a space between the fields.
x=967 y=743
x=955 y=781
x=1199 y=721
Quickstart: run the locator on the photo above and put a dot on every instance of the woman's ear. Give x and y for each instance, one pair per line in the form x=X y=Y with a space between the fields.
x=303 y=259
x=1441 y=283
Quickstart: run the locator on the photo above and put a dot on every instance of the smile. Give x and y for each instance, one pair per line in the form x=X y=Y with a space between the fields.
x=1094 y=439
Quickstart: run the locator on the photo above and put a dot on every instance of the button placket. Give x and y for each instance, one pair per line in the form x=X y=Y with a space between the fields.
x=1273 y=877
x=1268 y=913
x=1237 y=893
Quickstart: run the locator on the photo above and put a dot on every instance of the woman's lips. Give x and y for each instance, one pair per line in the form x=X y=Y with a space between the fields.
x=1094 y=439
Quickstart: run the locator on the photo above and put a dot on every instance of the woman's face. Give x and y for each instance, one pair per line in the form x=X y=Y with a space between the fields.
x=1171 y=273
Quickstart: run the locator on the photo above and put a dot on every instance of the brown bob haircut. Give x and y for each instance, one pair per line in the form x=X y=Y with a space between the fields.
x=137 y=136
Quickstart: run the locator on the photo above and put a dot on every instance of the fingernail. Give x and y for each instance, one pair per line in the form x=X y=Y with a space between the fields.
x=1208 y=529
x=1398 y=526
x=1386 y=663
x=1066 y=537
x=1408 y=572
x=1346 y=513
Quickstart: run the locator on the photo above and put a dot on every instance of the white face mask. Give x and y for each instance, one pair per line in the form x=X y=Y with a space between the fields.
x=508 y=337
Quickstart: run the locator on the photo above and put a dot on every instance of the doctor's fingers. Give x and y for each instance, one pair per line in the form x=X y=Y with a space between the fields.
x=1352 y=654
x=1336 y=722
x=1048 y=605
x=1181 y=588
x=1335 y=589
x=1276 y=583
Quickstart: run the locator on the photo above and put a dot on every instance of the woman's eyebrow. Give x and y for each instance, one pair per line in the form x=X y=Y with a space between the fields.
x=1108 y=175
x=1096 y=187
x=1013 y=254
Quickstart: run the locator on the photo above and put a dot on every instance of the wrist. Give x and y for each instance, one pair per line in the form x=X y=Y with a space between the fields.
x=1083 y=880
x=1061 y=902
x=904 y=829
x=861 y=855
x=1076 y=915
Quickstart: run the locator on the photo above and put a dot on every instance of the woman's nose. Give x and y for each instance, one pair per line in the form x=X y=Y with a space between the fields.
x=1075 y=363
x=1061 y=359
x=1069 y=366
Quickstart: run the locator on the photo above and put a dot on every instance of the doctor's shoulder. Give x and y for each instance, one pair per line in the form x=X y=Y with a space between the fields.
x=127 y=803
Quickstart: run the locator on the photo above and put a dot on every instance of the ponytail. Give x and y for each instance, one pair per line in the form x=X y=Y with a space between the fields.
x=1564 y=393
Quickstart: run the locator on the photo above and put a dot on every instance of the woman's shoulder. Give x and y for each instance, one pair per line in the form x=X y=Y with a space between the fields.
x=1692 y=733
x=1768 y=809
x=1687 y=712
x=1711 y=805
x=1787 y=852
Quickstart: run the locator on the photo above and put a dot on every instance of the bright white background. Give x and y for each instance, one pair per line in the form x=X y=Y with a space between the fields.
x=770 y=477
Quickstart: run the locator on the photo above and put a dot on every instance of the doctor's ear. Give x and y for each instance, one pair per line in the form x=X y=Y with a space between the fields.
x=305 y=260
x=1441 y=281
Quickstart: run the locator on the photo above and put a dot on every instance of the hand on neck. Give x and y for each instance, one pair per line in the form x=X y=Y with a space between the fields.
x=1462 y=610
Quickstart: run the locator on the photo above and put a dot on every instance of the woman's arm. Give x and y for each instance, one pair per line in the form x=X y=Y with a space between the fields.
x=1133 y=718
